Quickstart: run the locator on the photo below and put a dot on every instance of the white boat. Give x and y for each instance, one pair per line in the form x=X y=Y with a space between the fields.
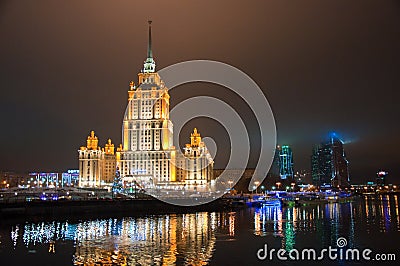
x=268 y=201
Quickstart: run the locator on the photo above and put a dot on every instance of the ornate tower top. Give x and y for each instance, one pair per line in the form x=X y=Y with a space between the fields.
x=109 y=148
x=92 y=141
x=195 y=138
x=149 y=65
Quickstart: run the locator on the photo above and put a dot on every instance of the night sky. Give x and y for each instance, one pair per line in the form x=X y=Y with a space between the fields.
x=324 y=66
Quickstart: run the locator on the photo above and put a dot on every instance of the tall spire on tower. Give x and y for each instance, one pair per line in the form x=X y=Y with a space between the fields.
x=149 y=65
x=149 y=52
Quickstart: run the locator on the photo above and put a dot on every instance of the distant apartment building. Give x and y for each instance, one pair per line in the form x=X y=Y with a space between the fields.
x=70 y=178
x=12 y=179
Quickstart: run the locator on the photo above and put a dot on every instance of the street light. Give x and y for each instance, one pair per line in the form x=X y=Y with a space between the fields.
x=278 y=184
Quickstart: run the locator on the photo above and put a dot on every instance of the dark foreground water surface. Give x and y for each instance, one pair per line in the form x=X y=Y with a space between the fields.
x=217 y=238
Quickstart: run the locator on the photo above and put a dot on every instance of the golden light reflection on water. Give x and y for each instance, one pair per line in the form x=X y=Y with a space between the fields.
x=381 y=210
x=396 y=207
x=154 y=240
x=231 y=224
x=150 y=241
x=190 y=239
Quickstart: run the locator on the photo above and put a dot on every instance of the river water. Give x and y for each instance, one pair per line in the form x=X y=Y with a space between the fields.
x=212 y=238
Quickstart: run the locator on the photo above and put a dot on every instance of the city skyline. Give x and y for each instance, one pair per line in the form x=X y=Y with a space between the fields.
x=61 y=78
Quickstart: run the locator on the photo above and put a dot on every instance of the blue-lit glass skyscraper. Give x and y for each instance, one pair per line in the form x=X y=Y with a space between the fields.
x=285 y=162
x=275 y=166
x=329 y=165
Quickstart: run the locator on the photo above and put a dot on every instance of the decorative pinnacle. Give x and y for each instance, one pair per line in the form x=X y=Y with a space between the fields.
x=149 y=65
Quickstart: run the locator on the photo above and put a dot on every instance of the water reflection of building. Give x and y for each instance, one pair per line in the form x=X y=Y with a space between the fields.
x=190 y=238
x=158 y=240
x=326 y=221
x=149 y=241
x=381 y=208
x=329 y=221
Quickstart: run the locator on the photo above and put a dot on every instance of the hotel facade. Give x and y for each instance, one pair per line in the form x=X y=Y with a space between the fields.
x=96 y=165
x=147 y=155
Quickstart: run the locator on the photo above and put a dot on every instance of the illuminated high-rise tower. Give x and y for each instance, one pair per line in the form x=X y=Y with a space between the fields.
x=329 y=164
x=282 y=164
x=147 y=156
x=286 y=162
x=148 y=153
x=340 y=174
